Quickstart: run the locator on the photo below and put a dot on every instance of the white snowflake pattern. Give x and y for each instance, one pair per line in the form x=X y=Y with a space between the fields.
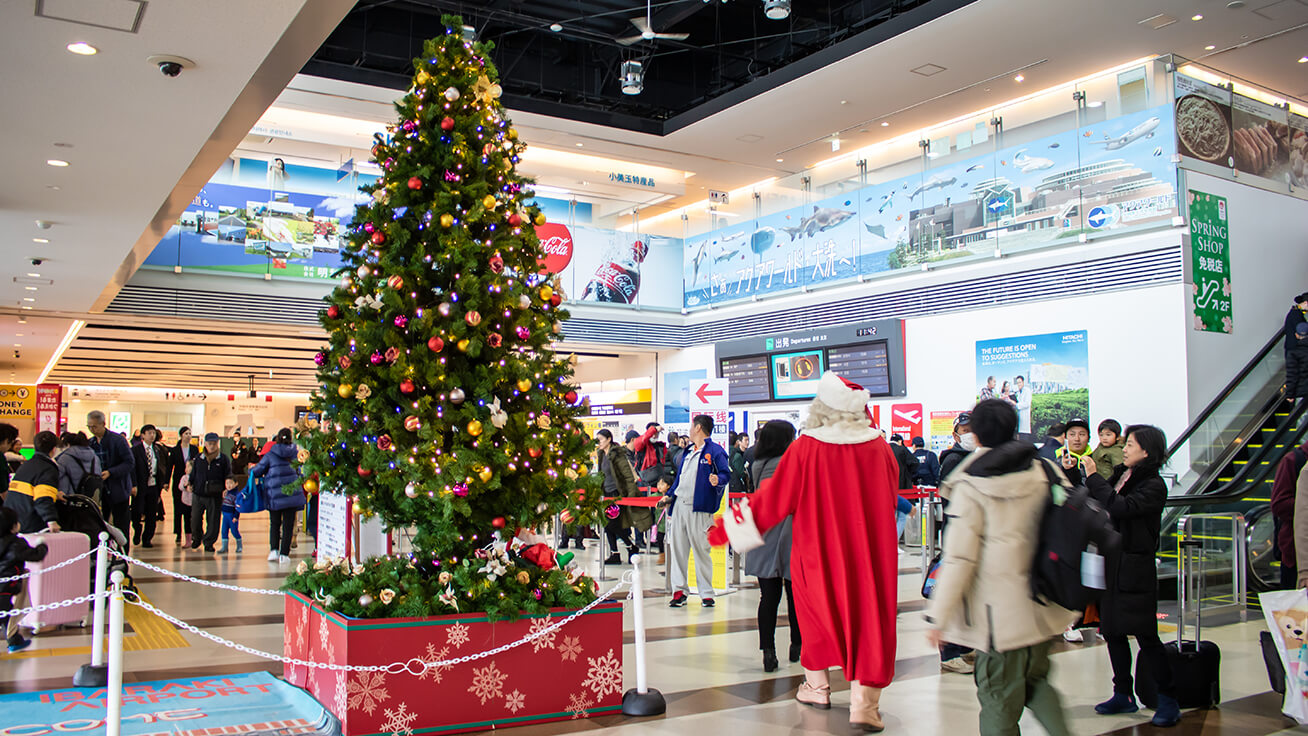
x=605 y=674
x=301 y=630
x=399 y=721
x=339 y=698
x=579 y=705
x=324 y=633
x=457 y=635
x=432 y=655
x=544 y=641
x=487 y=682
x=570 y=648
x=515 y=701
x=368 y=691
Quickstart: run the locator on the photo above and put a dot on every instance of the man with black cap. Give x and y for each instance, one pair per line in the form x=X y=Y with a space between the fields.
x=928 y=465
x=211 y=477
x=907 y=463
x=1296 y=364
x=1072 y=455
x=1296 y=316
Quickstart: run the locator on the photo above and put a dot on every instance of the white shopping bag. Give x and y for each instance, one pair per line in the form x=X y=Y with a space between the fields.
x=1286 y=612
x=741 y=529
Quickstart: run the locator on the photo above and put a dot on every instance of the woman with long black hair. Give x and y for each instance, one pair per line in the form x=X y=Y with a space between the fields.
x=771 y=562
x=1134 y=497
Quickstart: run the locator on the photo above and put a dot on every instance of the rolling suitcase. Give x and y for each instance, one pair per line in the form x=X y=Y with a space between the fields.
x=1196 y=665
x=67 y=582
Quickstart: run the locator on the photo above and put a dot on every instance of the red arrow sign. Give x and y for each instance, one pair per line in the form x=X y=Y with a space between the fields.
x=703 y=393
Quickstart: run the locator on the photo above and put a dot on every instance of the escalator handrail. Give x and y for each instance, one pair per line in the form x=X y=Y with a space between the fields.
x=1225 y=392
x=1242 y=485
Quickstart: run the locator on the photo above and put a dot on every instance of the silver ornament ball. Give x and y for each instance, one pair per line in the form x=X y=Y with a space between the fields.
x=411 y=491
x=458 y=396
x=365 y=600
x=451 y=94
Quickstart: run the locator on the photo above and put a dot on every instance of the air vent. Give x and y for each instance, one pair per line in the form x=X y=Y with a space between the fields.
x=116 y=15
x=749 y=138
x=928 y=70
x=1162 y=20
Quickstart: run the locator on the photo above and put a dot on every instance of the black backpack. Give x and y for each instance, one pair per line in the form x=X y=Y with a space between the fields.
x=1067 y=532
x=91 y=484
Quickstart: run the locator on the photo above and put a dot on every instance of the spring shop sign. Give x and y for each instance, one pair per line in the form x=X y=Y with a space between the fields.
x=1210 y=262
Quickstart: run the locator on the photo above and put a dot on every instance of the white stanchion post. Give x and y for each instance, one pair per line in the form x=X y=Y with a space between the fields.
x=114 y=694
x=641 y=700
x=95 y=674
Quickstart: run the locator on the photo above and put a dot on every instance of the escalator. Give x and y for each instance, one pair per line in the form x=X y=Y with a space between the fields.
x=1226 y=461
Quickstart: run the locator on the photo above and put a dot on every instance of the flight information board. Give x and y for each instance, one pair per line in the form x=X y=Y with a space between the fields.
x=747 y=379
x=867 y=364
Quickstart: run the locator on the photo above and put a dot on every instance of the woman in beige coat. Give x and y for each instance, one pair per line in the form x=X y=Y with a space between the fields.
x=983 y=599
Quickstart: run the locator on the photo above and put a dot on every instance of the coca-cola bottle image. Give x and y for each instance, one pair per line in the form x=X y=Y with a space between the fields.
x=618 y=281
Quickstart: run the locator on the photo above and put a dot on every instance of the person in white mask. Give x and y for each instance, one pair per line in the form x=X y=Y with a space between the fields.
x=954 y=658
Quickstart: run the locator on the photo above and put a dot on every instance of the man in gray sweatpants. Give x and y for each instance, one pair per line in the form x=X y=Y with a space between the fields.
x=695 y=495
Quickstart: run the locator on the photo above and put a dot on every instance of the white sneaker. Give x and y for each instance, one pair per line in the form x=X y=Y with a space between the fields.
x=957 y=665
x=272 y=556
x=1073 y=635
x=283 y=559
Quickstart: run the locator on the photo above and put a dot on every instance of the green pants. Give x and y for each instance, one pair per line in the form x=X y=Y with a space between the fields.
x=1007 y=682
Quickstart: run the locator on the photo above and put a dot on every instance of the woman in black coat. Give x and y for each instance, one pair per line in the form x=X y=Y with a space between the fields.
x=1134 y=497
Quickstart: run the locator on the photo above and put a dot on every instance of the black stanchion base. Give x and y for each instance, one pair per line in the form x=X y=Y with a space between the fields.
x=91 y=675
x=649 y=703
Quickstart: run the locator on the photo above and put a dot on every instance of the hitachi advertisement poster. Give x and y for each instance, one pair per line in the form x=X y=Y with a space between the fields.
x=1046 y=378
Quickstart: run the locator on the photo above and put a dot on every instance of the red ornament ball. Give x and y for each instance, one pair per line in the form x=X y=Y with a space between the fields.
x=378 y=238
x=415 y=182
x=496 y=264
x=473 y=318
x=407 y=387
x=333 y=312
x=494 y=340
x=412 y=423
x=515 y=219
x=343 y=362
x=555 y=299
x=498 y=522
x=570 y=397
x=534 y=451
x=395 y=282
x=435 y=344
x=447 y=124
x=364 y=472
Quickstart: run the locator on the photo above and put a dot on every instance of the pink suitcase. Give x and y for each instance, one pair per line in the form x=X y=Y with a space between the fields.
x=63 y=584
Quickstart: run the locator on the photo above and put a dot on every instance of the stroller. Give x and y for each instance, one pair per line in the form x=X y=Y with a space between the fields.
x=80 y=514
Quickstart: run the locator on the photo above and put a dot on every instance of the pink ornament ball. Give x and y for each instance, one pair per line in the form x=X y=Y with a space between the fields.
x=375 y=358
x=522 y=332
x=320 y=359
x=401 y=321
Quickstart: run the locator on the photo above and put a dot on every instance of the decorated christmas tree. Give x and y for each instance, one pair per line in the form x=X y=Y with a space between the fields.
x=444 y=410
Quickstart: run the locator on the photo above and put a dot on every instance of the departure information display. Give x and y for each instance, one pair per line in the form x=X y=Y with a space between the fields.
x=747 y=379
x=796 y=375
x=867 y=364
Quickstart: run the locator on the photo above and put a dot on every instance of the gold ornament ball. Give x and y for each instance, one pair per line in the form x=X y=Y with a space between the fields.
x=447 y=220
x=485 y=474
x=540 y=220
x=583 y=471
x=345 y=390
x=545 y=293
x=462 y=345
x=310 y=486
x=474 y=428
x=357 y=508
x=489 y=202
x=423 y=78
x=524 y=385
x=513 y=134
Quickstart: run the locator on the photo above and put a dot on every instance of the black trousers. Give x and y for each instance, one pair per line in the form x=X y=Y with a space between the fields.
x=1151 y=648
x=120 y=515
x=281 y=530
x=204 y=521
x=768 y=603
x=311 y=516
x=615 y=532
x=181 y=515
x=145 y=512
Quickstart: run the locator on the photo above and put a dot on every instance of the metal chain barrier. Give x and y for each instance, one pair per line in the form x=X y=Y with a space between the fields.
x=50 y=606
x=413 y=666
x=189 y=579
x=52 y=568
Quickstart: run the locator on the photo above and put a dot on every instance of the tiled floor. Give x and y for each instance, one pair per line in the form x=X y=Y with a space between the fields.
x=705 y=661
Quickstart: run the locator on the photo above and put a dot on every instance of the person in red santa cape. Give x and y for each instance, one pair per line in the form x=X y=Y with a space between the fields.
x=838 y=480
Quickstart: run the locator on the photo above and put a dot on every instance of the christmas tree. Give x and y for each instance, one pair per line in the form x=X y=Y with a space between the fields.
x=444 y=410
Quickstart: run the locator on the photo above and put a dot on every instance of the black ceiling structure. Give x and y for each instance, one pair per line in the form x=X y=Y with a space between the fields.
x=732 y=52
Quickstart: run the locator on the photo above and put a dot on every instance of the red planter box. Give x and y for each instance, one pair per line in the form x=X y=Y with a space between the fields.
x=573 y=673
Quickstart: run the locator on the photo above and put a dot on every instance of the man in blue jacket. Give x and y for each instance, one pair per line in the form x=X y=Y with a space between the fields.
x=119 y=469
x=696 y=494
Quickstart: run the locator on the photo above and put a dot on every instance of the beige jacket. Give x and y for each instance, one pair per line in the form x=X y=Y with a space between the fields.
x=983 y=596
x=1301 y=525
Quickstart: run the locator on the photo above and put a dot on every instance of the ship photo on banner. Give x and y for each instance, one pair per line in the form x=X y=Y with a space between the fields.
x=1111 y=175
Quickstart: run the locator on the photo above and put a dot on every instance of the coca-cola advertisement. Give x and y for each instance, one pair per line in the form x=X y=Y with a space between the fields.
x=611 y=267
x=556 y=244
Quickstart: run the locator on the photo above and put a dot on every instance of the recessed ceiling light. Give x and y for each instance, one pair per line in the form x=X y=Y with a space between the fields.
x=56 y=162
x=1197 y=16
x=40 y=240
x=1095 y=103
x=52 y=186
x=23 y=307
x=82 y=49
x=1303 y=59
x=579 y=145
x=780 y=160
x=885 y=123
x=844 y=102
x=28 y=299
x=1209 y=47
x=556 y=27
x=1019 y=78
x=30 y=288
x=33 y=275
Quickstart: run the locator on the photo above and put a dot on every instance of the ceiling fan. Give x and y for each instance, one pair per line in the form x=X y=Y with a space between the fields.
x=646 y=27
